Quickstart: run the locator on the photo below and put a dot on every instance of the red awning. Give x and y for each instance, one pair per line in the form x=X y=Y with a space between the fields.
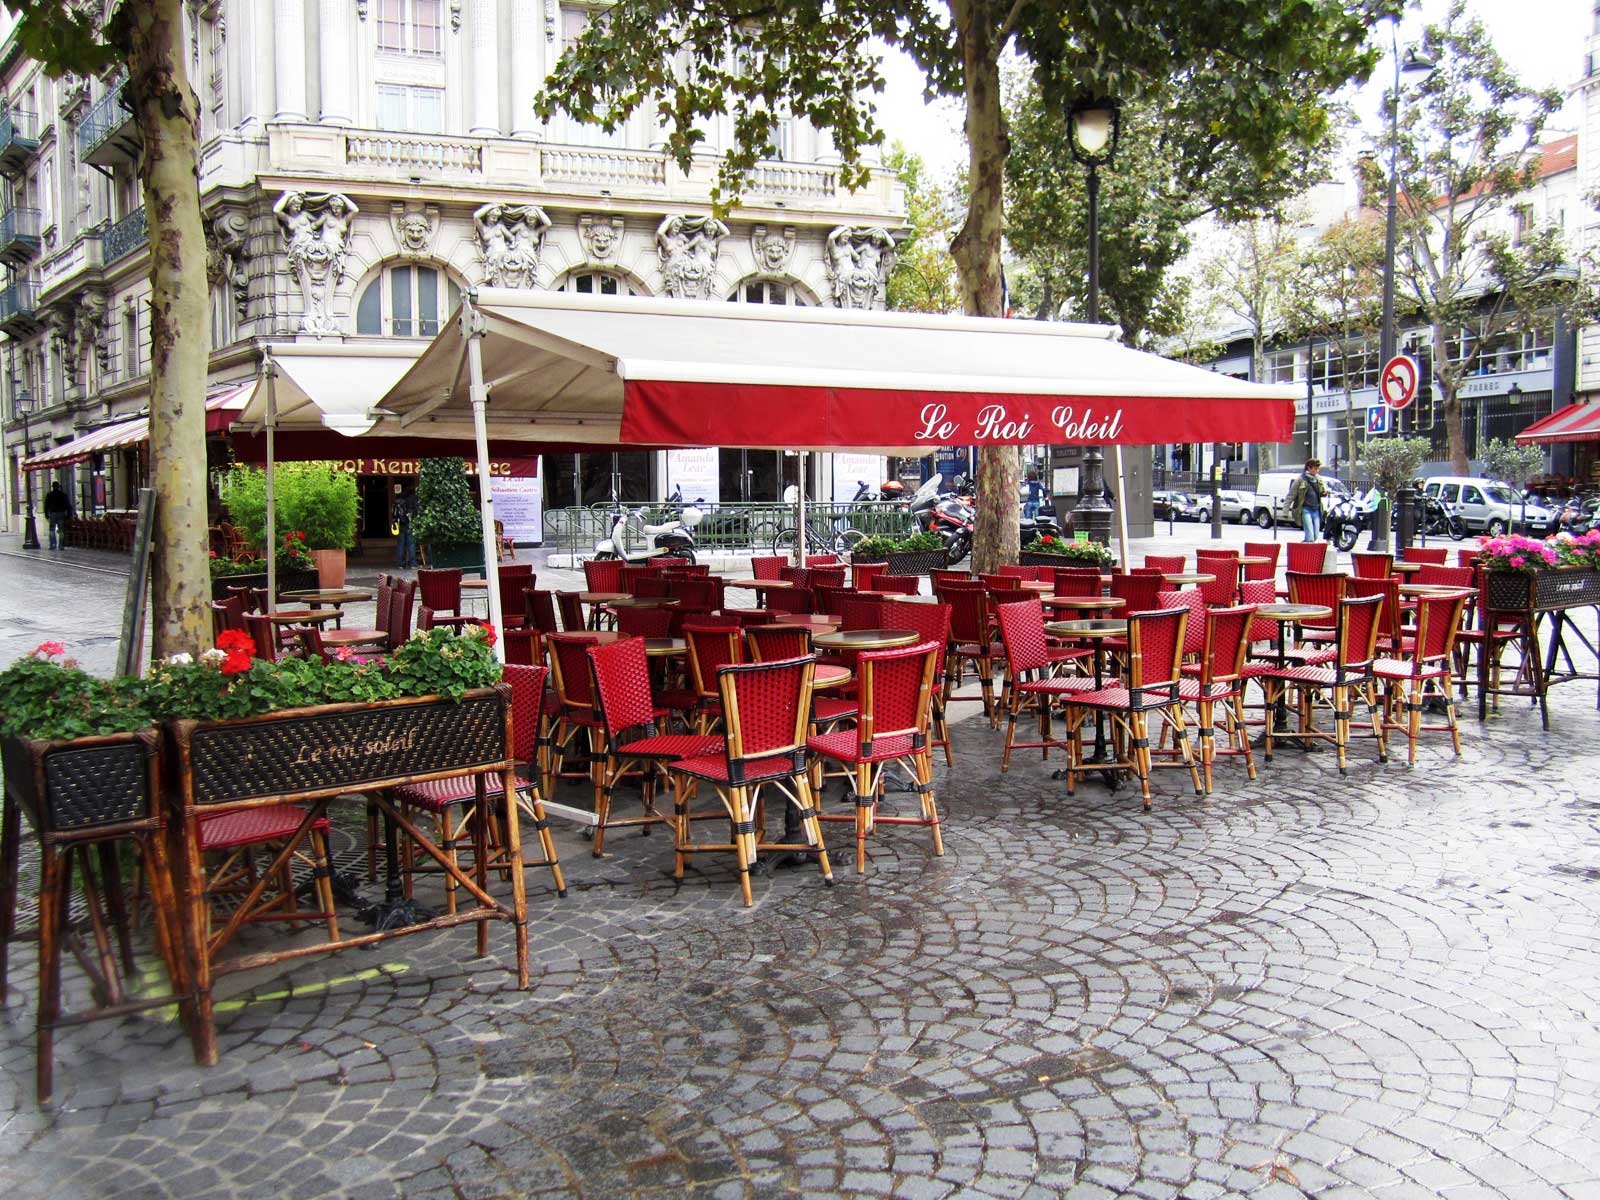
x=1574 y=423
x=221 y=409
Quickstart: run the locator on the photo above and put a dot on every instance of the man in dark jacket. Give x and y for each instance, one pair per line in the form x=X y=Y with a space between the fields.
x=1306 y=500
x=57 y=511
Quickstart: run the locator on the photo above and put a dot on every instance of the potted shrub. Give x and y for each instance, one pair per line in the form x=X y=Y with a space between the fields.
x=1050 y=551
x=315 y=499
x=918 y=554
x=296 y=570
x=875 y=548
x=447 y=525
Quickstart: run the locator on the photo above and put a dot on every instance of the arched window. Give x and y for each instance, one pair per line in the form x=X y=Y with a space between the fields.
x=406 y=301
x=597 y=283
x=760 y=290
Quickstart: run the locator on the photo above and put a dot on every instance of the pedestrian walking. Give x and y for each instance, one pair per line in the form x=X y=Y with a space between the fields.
x=57 y=511
x=1306 y=500
x=1032 y=495
x=405 y=508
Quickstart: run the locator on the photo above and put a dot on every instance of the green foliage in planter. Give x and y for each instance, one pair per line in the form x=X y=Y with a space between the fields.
x=43 y=698
x=1078 y=553
x=919 y=543
x=314 y=498
x=446 y=515
x=875 y=548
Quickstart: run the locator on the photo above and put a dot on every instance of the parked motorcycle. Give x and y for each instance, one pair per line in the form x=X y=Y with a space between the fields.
x=949 y=516
x=674 y=539
x=1344 y=521
x=1438 y=520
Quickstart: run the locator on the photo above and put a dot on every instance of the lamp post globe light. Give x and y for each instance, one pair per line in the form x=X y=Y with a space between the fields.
x=1414 y=63
x=22 y=403
x=1093 y=128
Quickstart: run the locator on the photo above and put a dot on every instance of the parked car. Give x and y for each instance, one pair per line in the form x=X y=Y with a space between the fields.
x=1489 y=506
x=1165 y=505
x=1272 y=494
x=1237 y=506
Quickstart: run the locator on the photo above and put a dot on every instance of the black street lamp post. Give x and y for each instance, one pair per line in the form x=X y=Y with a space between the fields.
x=22 y=402
x=1093 y=126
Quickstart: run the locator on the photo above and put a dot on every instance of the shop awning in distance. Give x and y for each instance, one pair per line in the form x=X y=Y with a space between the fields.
x=1574 y=423
x=584 y=368
x=222 y=407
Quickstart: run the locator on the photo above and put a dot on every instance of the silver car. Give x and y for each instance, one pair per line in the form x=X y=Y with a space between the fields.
x=1237 y=507
x=1489 y=506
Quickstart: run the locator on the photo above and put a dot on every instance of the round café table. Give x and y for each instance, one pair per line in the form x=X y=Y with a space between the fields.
x=1185 y=577
x=667 y=647
x=1431 y=589
x=864 y=639
x=644 y=602
x=1286 y=615
x=1084 y=603
x=300 y=616
x=337 y=598
x=828 y=676
x=1407 y=568
x=1252 y=560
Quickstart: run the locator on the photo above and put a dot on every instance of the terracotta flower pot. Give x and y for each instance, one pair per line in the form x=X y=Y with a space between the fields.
x=330 y=568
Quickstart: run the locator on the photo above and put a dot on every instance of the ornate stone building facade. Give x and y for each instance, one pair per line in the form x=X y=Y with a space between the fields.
x=363 y=162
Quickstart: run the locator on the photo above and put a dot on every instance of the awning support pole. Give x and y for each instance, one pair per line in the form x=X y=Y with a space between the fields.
x=1122 y=507
x=800 y=516
x=472 y=328
x=271 y=371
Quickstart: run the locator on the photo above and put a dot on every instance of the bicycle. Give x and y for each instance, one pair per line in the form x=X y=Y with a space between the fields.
x=823 y=536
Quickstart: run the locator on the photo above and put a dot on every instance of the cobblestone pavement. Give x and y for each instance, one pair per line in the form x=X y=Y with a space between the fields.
x=1384 y=985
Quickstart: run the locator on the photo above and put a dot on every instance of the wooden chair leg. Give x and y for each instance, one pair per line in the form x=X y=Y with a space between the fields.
x=1139 y=735
x=1206 y=728
x=1180 y=731
x=923 y=767
x=601 y=772
x=811 y=826
x=865 y=799
x=744 y=841
x=1341 y=723
x=449 y=832
x=54 y=870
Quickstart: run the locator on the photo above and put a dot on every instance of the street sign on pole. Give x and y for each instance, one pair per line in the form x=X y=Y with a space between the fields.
x=1397 y=386
x=1378 y=420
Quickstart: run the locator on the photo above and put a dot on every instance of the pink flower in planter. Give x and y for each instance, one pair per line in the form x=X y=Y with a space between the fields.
x=1518 y=560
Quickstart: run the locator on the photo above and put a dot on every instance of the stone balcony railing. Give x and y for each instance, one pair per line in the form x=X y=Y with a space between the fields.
x=352 y=155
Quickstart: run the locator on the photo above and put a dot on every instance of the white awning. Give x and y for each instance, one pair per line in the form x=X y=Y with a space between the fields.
x=328 y=387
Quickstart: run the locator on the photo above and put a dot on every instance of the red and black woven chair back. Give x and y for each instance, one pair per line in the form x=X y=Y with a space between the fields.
x=621 y=679
x=828 y=576
x=795 y=600
x=1155 y=652
x=511 y=581
x=380 y=603
x=400 y=601
x=1075 y=581
x=652 y=586
x=830 y=600
x=1437 y=576
x=524 y=646
x=1203 y=557
x=1000 y=583
x=1359 y=620
x=1438 y=624
x=571 y=609
x=1018 y=572
x=940 y=578
x=527 y=708
x=767 y=710
x=861 y=612
x=264 y=634
x=539 y=610
x=227 y=614
x=311 y=644
x=710 y=648
x=1256 y=592
x=1194 y=602
x=1267 y=550
x=603 y=575
x=896 y=693
x=799 y=576
x=645 y=622
x=969 y=614
x=1389 y=624
x=931 y=623
x=906 y=585
x=773 y=643
x=822 y=560
x=570 y=672
x=1223 y=589
x=691 y=569
x=1372 y=565
x=253 y=599
x=768 y=566
x=1022 y=633
x=1437 y=556
x=1308 y=558
x=1167 y=564
x=1317 y=587
x=863 y=574
x=1225 y=643
x=694 y=594
x=1139 y=591
x=441 y=589
x=631 y=573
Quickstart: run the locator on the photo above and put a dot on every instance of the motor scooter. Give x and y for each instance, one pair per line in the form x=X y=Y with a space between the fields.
x=674 y=539
x=948 y=515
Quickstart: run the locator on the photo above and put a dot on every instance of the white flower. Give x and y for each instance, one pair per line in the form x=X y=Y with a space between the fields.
x=212 y=655
x=179 y=660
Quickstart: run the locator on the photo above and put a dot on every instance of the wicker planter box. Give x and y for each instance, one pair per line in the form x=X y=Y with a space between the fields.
x=919 y=562
x=288 y=581
x=339 y=747
x=1542 y=591
x=98 y=785
x=468 y=558
x=1055 y=560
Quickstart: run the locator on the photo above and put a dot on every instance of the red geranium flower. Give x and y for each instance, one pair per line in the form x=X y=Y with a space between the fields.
x=51 y=649
x=236 y=641
x=237 y=662
x=489 y=633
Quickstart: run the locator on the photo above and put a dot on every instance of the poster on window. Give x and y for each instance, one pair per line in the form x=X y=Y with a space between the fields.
x=695 y=474
x=850 y=471
x=519 y=507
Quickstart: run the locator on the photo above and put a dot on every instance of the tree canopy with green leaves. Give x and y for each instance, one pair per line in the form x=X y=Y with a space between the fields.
x=924 y=276
x=1256 y=74
x=145 y=38
x=1466 y=146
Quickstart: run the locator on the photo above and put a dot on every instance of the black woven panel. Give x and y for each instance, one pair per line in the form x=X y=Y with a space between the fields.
x=277 y=756
x=1567 y=589
x=918 y=563
x=101 y=785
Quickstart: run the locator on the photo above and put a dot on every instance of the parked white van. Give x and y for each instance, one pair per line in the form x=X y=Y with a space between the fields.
x=1273 y=487
x=1488 y=506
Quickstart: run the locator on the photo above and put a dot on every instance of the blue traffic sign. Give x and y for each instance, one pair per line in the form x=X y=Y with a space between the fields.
x=1378 y=419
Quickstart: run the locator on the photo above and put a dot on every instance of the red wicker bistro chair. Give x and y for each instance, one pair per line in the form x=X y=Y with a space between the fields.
x=647 y=584
x=1370 y=564
x=905 y=585
x=1167 y=564
x=631 y=743
x=1036 y=675
x=767 y=566
x=512 y=580
x=774 y=643
x=1223 y=590
x=602 y=575
x=1439 y=576
x=227 y=614
x=575 y=732
x=1410 y=680
x=1219 y=678
x=1436 y=556
x=1076 y=580
x=441 y=591
x=710 y=647
x=1150 y=684
x=458 y=801
x=931 y=623
x=830 y=600
x=539 y=610
x=896 y=693
x=767 y=708
x=1325 y=588
x=1357 y=622
x=571 y=609
x=796 y=600
x=644 y=622
x=864 y=576
x=822 y=560
x=971 y=641
x=938 y=579
x=1393 y=637
x=1307 y=558
x=1267 y=550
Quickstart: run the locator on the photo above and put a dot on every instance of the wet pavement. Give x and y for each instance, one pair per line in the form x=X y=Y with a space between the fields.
x=1384 y=985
